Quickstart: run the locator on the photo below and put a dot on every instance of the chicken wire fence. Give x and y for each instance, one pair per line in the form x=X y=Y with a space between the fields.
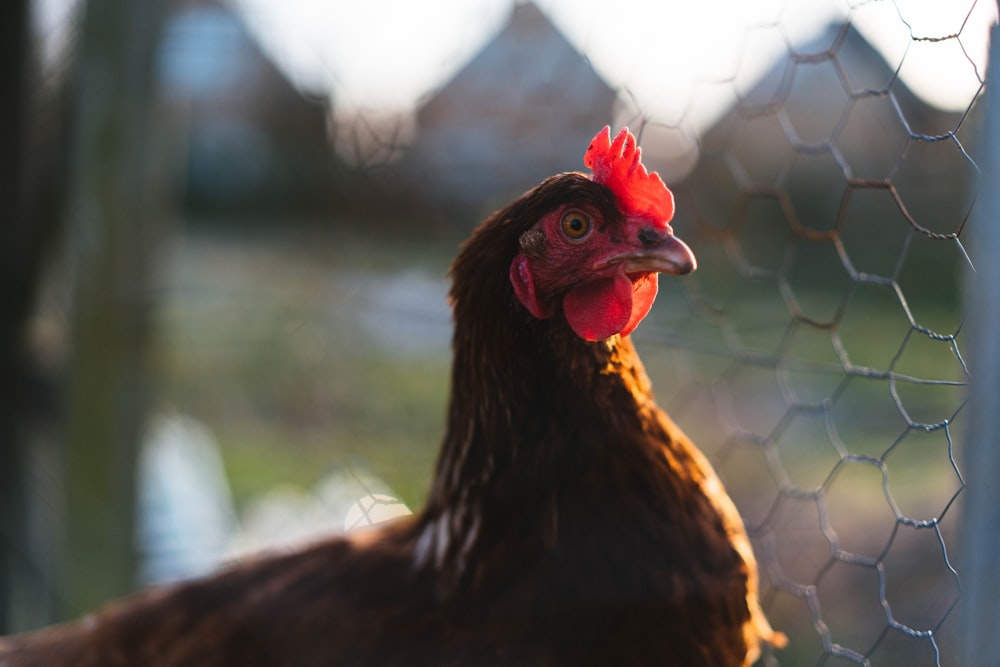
x=818 y=355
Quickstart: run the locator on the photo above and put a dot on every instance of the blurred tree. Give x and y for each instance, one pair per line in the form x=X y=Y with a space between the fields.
x=111 y=239
x=30 y=187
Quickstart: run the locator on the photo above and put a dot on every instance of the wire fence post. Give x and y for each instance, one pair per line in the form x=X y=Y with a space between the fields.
x=981 y=538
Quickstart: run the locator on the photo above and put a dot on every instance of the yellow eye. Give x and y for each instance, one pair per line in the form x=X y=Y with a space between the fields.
x=575 y=224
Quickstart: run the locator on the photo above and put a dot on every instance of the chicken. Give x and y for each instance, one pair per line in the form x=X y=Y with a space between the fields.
x=570 y=521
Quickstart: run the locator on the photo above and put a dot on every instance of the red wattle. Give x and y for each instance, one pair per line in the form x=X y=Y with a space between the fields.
x=601 y=308
x=644 y=291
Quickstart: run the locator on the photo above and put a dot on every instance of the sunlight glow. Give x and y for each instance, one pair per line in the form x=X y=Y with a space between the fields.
x=387 y=54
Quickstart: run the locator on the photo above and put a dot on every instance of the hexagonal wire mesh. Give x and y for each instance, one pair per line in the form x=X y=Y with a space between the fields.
x=820 y=342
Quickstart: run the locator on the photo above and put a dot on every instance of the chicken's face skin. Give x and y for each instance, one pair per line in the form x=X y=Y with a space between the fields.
x=596 y=264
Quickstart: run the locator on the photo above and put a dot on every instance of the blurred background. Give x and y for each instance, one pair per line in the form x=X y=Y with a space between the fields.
x=223 y=315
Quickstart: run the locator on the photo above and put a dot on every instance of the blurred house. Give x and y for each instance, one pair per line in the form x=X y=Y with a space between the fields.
x=523 y=108
x=250 y=140
x=831 y=141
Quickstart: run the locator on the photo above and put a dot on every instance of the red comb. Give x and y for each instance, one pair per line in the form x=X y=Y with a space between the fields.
x=618 y=165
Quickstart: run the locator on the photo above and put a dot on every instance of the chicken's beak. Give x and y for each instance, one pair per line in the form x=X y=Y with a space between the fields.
x=659 y=253
x=668 y=254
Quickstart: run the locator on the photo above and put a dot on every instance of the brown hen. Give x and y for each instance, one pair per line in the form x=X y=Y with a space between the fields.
x=570 y=521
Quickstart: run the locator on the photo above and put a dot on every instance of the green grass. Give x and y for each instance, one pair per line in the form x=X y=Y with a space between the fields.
x=261 y=339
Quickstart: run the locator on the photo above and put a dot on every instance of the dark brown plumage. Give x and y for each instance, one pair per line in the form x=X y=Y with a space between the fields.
x=570 y=522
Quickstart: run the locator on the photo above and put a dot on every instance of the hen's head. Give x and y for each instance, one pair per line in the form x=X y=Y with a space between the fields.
x=596 y=250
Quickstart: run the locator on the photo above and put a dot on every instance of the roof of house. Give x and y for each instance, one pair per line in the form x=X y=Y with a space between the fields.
x=524 y=107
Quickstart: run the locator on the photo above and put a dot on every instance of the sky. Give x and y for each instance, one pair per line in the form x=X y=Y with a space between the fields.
x=387 y=54
x=669 y=55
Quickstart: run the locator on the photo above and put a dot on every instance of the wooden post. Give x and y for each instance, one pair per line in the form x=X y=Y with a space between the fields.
x=110 y=224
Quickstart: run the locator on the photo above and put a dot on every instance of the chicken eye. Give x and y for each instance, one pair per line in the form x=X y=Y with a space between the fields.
x=575 y=225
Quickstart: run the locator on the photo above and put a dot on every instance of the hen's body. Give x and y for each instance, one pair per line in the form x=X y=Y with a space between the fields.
x=569 y=523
